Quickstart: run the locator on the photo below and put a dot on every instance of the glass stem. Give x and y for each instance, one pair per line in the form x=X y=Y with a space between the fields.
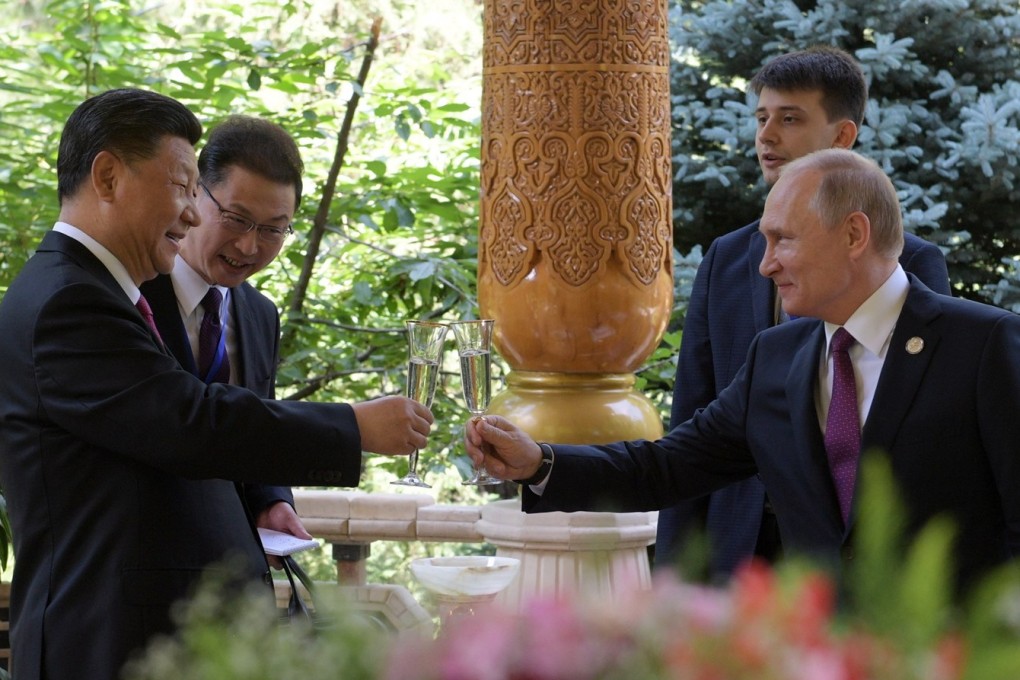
x=479 y=414
x=412 y=464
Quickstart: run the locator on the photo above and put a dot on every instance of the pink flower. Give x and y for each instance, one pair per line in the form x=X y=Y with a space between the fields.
x=820 y=664
x=478 y=647
x=555 y=642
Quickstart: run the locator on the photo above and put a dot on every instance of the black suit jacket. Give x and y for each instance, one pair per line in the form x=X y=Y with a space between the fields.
x=946 y=416
x=730 y=303
x=257 y=328
x=114 y=462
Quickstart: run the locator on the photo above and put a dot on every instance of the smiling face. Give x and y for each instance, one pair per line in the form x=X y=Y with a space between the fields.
x=149 y=206
x=792 y=124
x=223 y=257
x=810 y=263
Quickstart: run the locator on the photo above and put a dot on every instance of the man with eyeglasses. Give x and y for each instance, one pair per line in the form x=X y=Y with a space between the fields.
x=249 y=189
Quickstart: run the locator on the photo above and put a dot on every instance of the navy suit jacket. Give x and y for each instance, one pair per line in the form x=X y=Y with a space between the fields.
x=114 y=461
x=256 y=325
x=953 y=450
x=730 y=303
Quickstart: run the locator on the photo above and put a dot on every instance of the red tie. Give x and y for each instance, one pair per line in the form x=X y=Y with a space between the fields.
x=842 y=424
x=146 y=311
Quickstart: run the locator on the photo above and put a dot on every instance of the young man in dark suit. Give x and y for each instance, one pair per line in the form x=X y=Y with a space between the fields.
x=931 y=380
x=807 y=101
x=250 y=179
x=119 y=466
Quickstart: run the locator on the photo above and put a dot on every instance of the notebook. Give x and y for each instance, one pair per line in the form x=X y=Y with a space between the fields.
x=279 y=543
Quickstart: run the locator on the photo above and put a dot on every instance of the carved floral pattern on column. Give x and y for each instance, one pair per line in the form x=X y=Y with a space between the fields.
x=576 y=139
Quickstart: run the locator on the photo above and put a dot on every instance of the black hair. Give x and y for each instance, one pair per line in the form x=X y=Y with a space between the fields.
x=128 y=122
x=256 y=145
x=829 y=69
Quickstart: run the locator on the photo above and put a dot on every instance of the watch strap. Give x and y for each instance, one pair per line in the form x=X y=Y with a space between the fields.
x=548 y=456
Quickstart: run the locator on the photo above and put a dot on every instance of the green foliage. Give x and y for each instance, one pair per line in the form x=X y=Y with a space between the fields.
x=401 y=228
x=943 y=118
x=224 y=638
x=903 y=590
x=993 y=626
x=897 y=591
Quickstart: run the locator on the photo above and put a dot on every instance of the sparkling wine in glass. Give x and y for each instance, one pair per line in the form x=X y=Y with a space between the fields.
x=474 y=339
x=424 y=352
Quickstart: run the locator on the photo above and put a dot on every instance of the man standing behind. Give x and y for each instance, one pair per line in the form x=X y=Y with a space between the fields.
x=250 y=179
x=118 y=465
x=807 y=101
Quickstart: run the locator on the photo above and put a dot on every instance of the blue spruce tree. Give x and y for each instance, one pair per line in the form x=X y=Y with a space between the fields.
x=943 y=118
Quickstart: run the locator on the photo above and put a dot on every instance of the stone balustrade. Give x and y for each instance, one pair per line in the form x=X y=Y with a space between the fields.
x=559 y=552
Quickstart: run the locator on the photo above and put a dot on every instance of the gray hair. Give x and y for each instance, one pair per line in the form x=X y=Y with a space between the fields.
x=853 y=183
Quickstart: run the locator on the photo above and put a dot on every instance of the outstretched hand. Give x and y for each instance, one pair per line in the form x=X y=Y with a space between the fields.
x=393 y=425
x=506 y=450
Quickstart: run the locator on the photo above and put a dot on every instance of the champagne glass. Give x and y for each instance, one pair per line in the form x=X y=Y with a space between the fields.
x=474 y=339
x=424 y=351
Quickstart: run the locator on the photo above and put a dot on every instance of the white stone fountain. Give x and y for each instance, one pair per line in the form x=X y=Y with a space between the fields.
x=460 y=586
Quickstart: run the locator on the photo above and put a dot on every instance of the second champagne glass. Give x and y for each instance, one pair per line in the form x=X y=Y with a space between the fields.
x=474 y=339
x=424 y=352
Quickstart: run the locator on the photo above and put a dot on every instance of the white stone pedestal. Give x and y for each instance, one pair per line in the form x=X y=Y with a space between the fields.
x=597 y=553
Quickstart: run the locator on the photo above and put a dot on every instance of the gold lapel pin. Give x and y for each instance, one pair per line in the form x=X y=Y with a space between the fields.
x=915 y=345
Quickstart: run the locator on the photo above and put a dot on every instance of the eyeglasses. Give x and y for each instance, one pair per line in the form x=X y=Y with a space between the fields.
x=239 y=224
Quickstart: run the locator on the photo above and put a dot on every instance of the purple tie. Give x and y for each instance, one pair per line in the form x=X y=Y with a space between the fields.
x=213 y=362
x=146 y=312
x=842 y=425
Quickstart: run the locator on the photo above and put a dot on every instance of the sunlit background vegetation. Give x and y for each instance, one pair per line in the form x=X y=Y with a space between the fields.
x=399 y=233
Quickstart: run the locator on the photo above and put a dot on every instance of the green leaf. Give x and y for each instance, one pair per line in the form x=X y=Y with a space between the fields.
x=254 y=79
x=402 y=128
x=423 y=270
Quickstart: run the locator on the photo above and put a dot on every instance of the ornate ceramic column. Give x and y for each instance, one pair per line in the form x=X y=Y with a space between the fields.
x=575 y=245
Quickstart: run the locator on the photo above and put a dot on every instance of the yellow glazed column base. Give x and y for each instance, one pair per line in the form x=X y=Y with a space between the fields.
x=577 y=408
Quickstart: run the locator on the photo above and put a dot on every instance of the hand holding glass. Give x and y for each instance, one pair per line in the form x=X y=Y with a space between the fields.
x=424 y=350
x=474 y=340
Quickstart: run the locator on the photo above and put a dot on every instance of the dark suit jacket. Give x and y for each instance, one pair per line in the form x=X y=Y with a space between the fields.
x=946 y=416
x=257 y=329
x=731 y=302
x=113 y=460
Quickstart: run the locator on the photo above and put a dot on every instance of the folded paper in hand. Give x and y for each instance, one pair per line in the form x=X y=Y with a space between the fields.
x=279 y=543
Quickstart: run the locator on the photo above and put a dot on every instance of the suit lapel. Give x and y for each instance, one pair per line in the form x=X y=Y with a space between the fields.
x=247 y=334
x=62 y=243
x=160 y=294
x=904 y=367
x=762 y=296
x=800 y=391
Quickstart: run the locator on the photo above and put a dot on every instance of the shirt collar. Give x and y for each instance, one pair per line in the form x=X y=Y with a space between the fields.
x=873 y=322
x=109 y=260
x=189 y=286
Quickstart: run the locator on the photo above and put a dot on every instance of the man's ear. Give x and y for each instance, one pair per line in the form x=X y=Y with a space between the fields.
x=857 y=228
x=846 y=135
x=106 y=173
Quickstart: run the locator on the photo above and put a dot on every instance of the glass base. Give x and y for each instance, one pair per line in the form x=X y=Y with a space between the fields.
x=411 y=480
x=482 y=478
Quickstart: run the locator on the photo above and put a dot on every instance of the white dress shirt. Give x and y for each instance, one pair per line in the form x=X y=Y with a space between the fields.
x=872 y=325
x=109 y=260
x=190 y=288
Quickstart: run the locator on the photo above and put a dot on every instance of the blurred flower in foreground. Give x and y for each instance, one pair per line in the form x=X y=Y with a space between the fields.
x=765 y=626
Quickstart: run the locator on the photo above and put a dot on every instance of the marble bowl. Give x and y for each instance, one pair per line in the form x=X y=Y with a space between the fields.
x=470 y=576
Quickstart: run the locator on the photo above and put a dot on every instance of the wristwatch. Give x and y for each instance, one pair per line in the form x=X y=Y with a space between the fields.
x=543 y=468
